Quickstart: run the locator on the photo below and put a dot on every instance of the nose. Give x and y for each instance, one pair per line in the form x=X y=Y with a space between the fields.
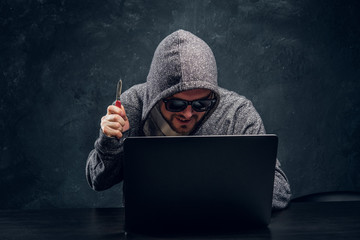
x=188 y=112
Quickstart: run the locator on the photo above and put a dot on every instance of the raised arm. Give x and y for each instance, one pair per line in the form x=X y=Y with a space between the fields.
x=104 y=167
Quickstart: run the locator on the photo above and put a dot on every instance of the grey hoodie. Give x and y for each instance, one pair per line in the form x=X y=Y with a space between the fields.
x=181 y=62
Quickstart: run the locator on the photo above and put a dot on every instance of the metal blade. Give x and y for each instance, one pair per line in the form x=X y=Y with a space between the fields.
x=118 y=90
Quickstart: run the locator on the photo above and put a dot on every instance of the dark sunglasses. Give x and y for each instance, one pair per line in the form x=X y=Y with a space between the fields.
x=178 y=105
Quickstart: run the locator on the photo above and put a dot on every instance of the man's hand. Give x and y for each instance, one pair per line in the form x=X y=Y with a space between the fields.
x=115 y=122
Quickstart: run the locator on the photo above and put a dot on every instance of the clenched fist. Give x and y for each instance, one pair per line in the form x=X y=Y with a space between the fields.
x=115 y=122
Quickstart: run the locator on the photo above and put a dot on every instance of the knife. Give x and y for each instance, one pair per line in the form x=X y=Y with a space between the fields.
x=118 y=93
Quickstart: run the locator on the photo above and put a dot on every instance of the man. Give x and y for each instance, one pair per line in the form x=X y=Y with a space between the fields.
x=180 y=97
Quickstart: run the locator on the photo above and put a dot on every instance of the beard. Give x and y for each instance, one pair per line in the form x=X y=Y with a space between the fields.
x=185 y=128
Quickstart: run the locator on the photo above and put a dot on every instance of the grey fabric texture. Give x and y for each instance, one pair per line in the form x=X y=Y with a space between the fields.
x=181 y=62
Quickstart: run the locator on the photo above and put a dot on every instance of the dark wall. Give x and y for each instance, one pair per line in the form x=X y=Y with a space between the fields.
x=298 y=61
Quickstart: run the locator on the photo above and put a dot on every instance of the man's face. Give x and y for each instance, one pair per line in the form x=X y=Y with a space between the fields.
x=185 y=121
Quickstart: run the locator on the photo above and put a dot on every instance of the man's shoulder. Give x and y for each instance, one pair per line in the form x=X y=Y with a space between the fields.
x=234 y=105
x=134 y=95
x=231 y=98
x=235 y=114
x=136 y=89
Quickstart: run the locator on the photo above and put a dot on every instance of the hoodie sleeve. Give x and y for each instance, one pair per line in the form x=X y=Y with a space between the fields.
x=281 y=192
x=104 y=167
x=248 y=121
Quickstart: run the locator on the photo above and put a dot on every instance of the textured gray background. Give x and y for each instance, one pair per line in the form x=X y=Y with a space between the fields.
x=298 y=61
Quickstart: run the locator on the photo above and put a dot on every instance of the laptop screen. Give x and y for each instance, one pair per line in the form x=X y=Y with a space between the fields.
x=198 y=182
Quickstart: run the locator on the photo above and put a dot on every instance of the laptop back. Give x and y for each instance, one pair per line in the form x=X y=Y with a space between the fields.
x=197 y=183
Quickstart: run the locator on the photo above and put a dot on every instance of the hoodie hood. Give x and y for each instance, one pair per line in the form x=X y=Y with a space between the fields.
x=181 y=62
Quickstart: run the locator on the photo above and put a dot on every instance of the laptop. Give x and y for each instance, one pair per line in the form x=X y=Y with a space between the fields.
x=198 y=183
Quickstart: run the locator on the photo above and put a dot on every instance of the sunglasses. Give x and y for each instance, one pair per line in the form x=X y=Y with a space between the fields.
x=178 y=105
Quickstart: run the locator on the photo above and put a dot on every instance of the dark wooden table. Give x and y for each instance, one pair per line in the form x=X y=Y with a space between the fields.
x=311 y=220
